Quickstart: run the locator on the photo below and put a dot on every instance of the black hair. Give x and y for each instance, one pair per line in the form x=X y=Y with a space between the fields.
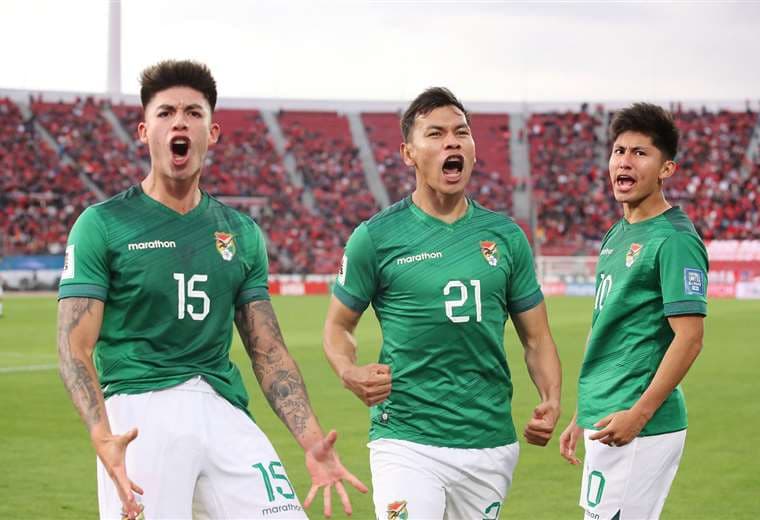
x=650 y=120
x=174 y=73
x=429 y=100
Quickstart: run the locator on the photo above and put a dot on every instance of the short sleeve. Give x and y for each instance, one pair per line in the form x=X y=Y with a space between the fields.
x=256 y=284
x=357 y=278
x=85 y=270
x=682 y=262
x=523 y=292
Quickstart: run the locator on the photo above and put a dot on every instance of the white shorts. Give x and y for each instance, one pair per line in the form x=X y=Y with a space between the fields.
x=629 y=482
x=196 y=456
x=423 y=482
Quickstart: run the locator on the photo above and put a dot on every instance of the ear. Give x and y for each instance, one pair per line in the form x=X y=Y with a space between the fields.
x=142 y=132
x=408 y=154
x=667 y=170
x=214 y=131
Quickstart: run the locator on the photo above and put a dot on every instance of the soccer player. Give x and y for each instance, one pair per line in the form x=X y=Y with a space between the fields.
x=443 y=274
x=153 y=278
x=646 y=330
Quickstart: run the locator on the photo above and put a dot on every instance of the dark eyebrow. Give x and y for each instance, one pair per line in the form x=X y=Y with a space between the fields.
x=439 y=127
x=166 y=106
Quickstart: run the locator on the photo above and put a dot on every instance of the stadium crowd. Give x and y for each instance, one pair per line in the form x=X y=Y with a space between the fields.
x=43 y=189
x=570 y=185
x=39 y=196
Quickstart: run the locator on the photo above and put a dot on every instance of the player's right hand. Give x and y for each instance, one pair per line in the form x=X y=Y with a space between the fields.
x=371 y=383
x=569 y=440
x=112 y=451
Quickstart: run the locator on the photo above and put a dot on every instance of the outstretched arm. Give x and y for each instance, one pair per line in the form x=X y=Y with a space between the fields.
x=284 y=388
x=79 y=321
x=371 y=383
x=543 y=366
x=621 y=427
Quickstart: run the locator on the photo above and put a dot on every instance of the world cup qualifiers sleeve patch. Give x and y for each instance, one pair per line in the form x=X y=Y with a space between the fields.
x=694 y=282
x=68 y=263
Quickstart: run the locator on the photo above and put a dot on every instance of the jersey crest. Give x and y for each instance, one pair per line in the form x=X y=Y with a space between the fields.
x=490 y=252
x=632 y=254
x=397 y=510
x=225 y=244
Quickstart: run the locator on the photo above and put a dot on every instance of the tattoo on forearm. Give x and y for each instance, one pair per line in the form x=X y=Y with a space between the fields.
x=77 y=379
x=275 y=370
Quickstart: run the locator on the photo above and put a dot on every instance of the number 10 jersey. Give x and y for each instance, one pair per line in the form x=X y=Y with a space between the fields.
x=170 y=283
x=442 y=294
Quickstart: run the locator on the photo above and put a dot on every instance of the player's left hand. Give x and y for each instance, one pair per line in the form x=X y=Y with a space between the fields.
x=619 y=428
x=327 y=471
x=539 y=429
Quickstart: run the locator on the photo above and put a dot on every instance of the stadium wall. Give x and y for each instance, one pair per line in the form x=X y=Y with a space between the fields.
x=734 y=273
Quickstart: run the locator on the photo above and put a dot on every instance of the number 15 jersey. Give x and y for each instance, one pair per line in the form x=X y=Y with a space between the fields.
x=170 y=283
x=442 y=294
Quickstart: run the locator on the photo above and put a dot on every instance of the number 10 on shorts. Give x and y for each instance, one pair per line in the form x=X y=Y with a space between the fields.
x=272 y=474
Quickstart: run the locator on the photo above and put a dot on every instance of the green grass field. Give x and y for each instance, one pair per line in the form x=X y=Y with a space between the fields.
x=49 y=467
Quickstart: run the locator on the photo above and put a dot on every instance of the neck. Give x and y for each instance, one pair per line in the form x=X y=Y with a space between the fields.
x=181 y=195
x=646 y=208
x=447 y=208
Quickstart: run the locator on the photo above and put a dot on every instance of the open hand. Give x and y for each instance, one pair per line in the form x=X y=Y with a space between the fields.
x=568 y=442
x=112 y=451
x=327 y=471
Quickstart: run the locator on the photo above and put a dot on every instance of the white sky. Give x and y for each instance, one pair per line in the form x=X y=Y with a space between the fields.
x=483 y=51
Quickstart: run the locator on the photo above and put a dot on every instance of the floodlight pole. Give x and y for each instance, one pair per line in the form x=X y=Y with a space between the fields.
x=114 y=47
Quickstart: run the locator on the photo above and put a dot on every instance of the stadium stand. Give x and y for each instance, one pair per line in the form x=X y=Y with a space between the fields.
x=39 y=197
x=84 y=135
x=570 y=189
x=714 y=185
x=307 y=226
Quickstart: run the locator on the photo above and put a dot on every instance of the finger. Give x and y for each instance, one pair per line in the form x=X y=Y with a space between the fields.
x=378 y=391
x=604 y=422
x=343 y=498
x=330 y=439
x=129 y=436
x=354 y=481
x=540 y=426
x=310 y=496
x=137 y=489
x=327 y=495
x=599 y=435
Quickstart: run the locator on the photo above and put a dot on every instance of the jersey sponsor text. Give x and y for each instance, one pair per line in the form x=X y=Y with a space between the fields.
x=153 y=244
x=417 y=258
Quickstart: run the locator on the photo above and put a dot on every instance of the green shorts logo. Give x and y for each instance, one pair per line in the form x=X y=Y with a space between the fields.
x=492 y=511
x=596 y=482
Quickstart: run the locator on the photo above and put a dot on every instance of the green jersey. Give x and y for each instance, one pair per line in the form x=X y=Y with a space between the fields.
x=646 y=272
x=170 y=284
x=442 y=293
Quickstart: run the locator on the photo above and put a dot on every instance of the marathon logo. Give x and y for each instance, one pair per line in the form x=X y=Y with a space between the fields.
x=153 y=244
x=419 y=258
x=280 y=509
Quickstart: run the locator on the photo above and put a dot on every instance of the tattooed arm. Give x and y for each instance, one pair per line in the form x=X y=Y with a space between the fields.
x=79 y=321
x=284 y=388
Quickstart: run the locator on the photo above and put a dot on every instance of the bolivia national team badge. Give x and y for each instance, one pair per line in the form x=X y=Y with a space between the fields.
x=397 y=510
x=225 y=244
x=632 y=254
x=490 y=253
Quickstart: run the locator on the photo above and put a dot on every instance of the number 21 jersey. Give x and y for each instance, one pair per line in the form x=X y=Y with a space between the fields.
x=442 y=294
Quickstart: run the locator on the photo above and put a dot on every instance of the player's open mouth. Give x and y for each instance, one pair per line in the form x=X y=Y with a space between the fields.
x=452 y=168
x=624 y=182
x=180 y=146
